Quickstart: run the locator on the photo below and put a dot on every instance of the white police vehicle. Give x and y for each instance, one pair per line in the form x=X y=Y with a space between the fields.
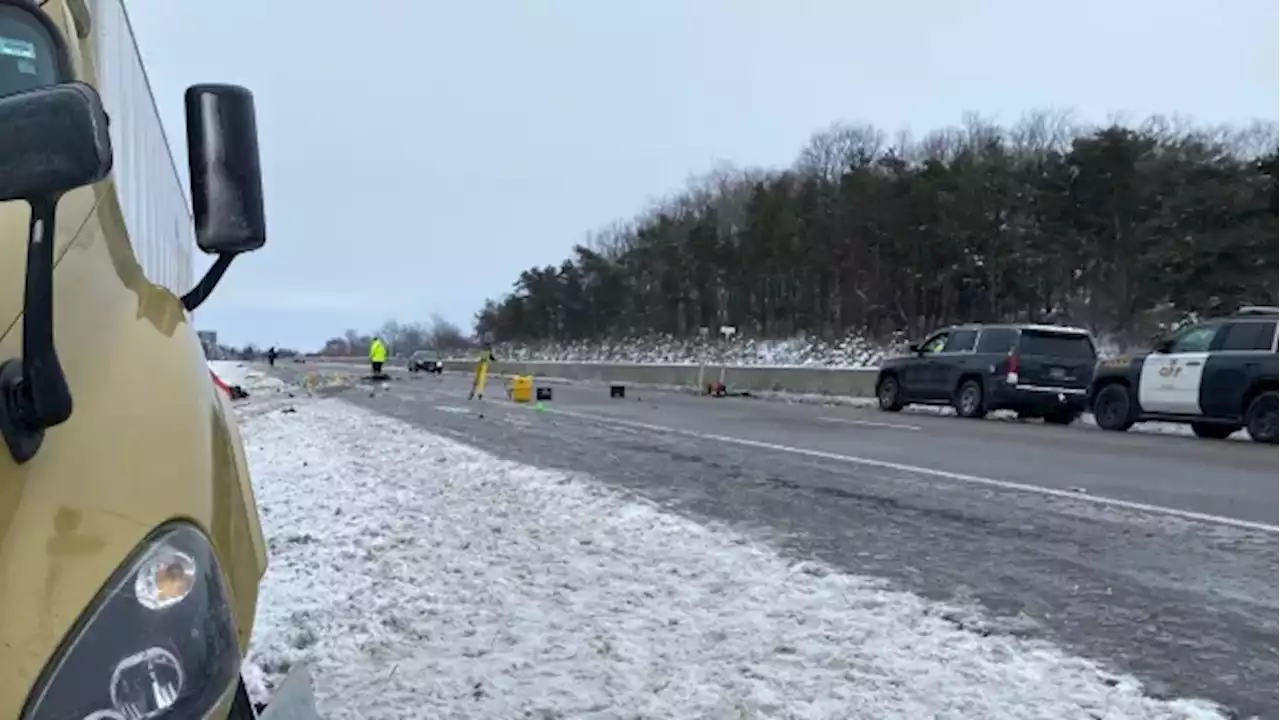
x=1217 y=376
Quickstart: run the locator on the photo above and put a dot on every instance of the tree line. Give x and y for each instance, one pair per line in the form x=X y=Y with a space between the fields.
x=401 y=338
x=1120 y=228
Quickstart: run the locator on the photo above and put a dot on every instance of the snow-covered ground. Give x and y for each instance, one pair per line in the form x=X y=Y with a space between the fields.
x=849 y=352
x=237 y=373
x=419 y=577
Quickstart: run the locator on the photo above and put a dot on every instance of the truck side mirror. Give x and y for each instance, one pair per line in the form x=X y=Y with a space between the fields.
x=226 y=174
x=55 y=140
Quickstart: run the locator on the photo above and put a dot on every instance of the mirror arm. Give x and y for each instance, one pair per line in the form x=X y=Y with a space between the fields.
x=204 y=288
x=34 y=395
x=51 y=398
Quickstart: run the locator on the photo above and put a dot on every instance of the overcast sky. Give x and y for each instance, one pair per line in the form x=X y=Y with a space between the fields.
x=419 y=154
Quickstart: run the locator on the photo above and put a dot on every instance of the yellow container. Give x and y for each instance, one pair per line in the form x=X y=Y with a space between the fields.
x=522 y=388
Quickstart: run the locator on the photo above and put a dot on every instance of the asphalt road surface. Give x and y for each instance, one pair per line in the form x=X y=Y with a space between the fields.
x=1152 y=554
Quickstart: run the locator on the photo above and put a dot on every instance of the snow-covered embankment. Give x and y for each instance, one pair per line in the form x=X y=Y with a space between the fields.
x=424 y=578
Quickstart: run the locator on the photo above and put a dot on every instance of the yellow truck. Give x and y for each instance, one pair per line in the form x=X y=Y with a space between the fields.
x=130 y=546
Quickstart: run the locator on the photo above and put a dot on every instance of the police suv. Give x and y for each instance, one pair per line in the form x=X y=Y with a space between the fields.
x=1217 y=376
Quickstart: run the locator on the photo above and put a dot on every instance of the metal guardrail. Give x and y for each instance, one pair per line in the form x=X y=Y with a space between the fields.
x=851 y=382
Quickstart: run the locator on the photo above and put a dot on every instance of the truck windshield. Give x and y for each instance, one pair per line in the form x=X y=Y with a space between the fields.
x=28 y=58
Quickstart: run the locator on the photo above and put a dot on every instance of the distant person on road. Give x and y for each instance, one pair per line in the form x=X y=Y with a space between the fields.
x=377 y=355
x=482 y=373
x=271 y=356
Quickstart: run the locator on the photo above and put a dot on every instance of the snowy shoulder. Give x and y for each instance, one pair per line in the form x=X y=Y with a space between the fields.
x=422 y=577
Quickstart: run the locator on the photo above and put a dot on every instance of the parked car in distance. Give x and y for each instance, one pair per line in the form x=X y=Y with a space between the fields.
x=1216 y=376
x=1039 y=371
x=426 y=361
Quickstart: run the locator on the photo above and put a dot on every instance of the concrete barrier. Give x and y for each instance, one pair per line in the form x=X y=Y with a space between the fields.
x=758 y=378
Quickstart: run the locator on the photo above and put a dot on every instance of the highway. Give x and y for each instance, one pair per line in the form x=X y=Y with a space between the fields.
x=1152 y=554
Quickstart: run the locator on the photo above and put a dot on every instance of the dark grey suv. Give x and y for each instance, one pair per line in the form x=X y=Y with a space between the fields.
x=1039 y=371
x=426 y=361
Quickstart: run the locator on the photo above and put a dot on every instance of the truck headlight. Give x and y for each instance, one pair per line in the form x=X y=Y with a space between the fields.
x=158 y=640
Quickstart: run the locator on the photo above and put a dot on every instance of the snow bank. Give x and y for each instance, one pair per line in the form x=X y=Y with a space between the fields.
x=423 y=578
x=800 y=351
x=243 y=374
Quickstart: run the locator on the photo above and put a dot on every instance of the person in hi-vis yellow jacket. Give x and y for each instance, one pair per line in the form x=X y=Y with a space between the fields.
x=482 y=373
x=377 y=355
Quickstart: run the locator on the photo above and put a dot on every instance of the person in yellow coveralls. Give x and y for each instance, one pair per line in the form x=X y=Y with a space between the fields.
x=482 y=373
x=377 y=355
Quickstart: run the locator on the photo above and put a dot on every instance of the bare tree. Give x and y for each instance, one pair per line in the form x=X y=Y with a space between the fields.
x=833 y=150
x=445 y=335
x=943 y=144
x=1044 y=130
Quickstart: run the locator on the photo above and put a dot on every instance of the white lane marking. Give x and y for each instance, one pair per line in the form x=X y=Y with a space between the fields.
x=454 y=433
x=454 y=409
x=868 y=423
x=946 y=474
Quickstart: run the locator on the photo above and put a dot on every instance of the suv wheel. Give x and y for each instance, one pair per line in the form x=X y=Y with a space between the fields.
x=1113 y=408
x=1213 y=431
x=889 y=394
x=968 y=401
x=1260 y=418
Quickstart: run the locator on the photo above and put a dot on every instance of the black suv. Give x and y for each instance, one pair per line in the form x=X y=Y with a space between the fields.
x=1037 y=370
x=1217 y=376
